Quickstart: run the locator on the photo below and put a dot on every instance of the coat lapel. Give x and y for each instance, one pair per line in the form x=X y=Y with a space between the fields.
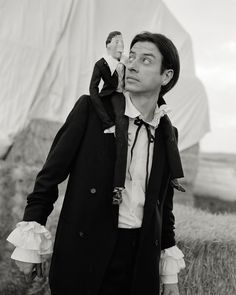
x=125 y=122
x=170 y=136
x=171 y=146
x=158 y=162
x=156 y=175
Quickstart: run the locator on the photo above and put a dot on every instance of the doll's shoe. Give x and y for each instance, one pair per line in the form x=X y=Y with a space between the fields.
x=175 y=184
x=117 y=196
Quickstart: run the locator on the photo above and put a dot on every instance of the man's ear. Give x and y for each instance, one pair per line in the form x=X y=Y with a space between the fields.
x=167 y=76
x=108 y=49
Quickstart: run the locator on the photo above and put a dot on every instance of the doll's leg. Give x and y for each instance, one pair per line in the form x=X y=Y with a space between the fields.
x=121 y=152
x=121 y=140
x=107 y=122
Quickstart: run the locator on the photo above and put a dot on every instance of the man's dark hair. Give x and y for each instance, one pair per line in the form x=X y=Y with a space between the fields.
x=170 y=56
x=112 y=35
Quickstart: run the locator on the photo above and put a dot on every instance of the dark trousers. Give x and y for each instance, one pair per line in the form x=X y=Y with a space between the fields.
x=119 y=274
x=118 y=103
x=121 y=139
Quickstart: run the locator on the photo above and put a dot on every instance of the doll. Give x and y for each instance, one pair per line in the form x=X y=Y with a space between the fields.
x=111 y=70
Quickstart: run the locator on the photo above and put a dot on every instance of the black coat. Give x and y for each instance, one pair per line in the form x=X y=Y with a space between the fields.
x=87 y=228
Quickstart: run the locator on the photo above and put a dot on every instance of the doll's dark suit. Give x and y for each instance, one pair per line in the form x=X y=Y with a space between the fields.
x=102 y=71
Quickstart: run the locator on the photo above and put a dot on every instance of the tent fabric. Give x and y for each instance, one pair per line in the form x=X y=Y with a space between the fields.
x=48 y=49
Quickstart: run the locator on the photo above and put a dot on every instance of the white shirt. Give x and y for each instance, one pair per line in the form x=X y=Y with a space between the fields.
x=112 y=62
x=131 y=208
x=113 y=65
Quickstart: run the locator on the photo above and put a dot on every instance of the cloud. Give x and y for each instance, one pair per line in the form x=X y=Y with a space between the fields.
x=220 y=140
x=229 y=47
x=220 y=76
x=222 y=119
x=216 y=65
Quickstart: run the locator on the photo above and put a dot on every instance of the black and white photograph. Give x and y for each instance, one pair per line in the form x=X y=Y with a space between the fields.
x=117 y=147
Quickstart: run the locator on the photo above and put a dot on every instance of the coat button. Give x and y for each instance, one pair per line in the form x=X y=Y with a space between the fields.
x=156 y=243
x=93 y=190
x=81 y=234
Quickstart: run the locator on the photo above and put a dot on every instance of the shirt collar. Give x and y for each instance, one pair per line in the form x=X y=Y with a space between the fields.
x=112 y=62
x=132 y=112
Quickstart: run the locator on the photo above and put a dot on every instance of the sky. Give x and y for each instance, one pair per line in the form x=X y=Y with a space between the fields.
x=212 y=27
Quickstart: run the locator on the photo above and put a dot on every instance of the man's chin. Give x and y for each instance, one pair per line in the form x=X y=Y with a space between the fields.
x=118 y=56
x=131 y=87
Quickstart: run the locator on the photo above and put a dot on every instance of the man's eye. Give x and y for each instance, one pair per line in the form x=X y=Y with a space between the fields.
x=131 y=58
x=146 y=60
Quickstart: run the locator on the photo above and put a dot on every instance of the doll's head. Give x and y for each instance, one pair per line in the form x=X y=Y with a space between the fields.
x=115 y=44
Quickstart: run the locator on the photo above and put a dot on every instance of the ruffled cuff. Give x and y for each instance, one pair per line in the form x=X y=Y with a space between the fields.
x=171 y=263
x=33 y=238
x=26 y=255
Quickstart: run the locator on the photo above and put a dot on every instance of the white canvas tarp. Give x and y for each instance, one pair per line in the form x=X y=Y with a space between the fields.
x=48 y=49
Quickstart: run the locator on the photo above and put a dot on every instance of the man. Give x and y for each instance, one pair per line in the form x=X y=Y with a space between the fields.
x=101 y=248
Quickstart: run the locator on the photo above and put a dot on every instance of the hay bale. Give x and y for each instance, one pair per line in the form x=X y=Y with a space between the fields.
x=214 y=204
x=189 y=159
x=209 y=244
x=16 y=182
x=215 y=185
x=32 y=144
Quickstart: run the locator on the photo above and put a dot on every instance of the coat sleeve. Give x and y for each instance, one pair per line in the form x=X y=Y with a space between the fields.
x=58 y=163
x=168 y=220
x=96 y=99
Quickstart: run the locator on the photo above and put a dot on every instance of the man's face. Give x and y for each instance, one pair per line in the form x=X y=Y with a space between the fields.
x=143 y=69
x=116 y=47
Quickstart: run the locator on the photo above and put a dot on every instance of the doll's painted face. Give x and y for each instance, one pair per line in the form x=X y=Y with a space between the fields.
x=116 y=47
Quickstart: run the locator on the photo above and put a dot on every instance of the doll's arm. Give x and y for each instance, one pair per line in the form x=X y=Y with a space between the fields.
x=96 y=99
x=94 y=82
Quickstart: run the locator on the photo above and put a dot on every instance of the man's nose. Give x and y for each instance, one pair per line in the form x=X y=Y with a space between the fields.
x=120 y=47
x=133 y=65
